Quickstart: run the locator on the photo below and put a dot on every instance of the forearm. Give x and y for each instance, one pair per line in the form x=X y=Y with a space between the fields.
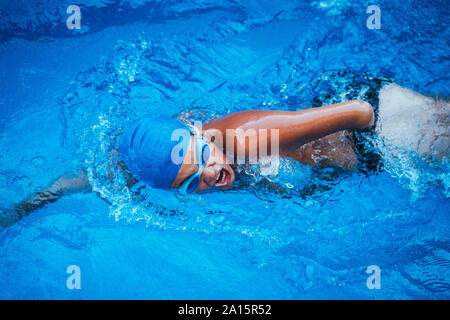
x=67 y=184
x=298 y=127
x=36 y=201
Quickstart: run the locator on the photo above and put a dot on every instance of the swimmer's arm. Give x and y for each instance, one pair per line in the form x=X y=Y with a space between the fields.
x=67 y=184
x=295 y=127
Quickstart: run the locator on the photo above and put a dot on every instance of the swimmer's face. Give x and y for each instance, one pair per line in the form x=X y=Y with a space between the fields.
x=216 y=173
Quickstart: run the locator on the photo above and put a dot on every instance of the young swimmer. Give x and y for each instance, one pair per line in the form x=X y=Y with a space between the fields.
x=148 y=152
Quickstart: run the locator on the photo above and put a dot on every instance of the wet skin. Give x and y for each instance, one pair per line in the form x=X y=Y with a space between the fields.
x=296 y=129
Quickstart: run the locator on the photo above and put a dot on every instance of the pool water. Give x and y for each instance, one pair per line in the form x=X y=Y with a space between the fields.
x=65 y=96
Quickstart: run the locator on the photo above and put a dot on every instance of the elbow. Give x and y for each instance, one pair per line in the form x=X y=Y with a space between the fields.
x=365 y=116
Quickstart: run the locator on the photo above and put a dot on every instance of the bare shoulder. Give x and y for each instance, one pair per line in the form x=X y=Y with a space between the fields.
x=333 y=150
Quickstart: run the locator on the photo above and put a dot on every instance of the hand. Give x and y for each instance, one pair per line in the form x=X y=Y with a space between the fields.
x=8 y=217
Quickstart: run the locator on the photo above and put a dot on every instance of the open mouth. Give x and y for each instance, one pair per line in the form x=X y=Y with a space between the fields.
x=223 y=178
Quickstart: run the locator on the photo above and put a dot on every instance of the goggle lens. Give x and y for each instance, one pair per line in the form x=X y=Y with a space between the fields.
x=205 y=154
x=193 y=185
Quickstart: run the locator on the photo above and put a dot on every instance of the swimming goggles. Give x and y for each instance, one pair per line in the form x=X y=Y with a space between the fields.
x=202 y=156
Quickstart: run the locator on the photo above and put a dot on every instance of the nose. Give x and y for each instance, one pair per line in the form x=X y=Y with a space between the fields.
x=209 y=176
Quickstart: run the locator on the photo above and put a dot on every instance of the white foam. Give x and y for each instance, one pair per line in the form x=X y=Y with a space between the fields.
x=412 y=122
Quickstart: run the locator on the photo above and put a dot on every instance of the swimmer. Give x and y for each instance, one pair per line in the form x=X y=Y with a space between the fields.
x=318 y=137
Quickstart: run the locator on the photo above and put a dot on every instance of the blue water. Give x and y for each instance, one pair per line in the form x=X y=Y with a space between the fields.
x=66 y=94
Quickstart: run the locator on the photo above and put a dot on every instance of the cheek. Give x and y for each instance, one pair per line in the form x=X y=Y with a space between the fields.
x=203 y=186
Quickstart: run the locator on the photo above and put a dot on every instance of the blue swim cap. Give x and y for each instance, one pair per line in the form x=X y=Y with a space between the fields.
x=147 y=148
